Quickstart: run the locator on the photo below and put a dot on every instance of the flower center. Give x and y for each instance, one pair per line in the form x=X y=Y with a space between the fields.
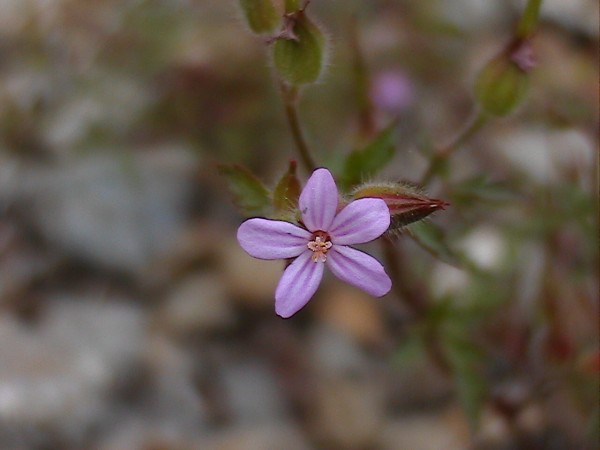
x=319 y=245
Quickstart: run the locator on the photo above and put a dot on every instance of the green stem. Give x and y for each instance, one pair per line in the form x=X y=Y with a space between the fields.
x=529 y=19
x=471 y=127
x=290 y=99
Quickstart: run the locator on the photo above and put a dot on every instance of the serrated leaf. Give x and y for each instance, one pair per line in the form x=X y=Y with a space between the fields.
x=287 y=191
x=250 y=194
x=362 y=164
x=432 y=238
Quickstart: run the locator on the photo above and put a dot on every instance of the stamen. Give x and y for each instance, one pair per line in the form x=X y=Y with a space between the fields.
x=319 y=245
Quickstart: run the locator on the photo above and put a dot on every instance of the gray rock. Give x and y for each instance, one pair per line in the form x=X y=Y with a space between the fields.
x=252 y=394
x=169 y=412
x=349 y=412
x=263 y=437
x=424 y=432
x=249 y=280
x=335 y=352
x=198 y=303
x=54 y=378
x=112 y=211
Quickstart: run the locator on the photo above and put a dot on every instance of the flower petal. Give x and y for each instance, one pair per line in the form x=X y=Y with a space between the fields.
x=361 y=221
x=298 y=284
x=318 y=201
x=358 y=269
x=272 y=239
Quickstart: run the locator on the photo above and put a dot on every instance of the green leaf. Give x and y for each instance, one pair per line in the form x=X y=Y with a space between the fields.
x=432 y=238
x=250 y=195
x=287 y=191
x=467 y=366
x=299 y=56
x=362 y=164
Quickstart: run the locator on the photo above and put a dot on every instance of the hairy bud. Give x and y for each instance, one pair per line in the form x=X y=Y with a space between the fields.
x=503 y=82
x=299 y=50
x=406 y=203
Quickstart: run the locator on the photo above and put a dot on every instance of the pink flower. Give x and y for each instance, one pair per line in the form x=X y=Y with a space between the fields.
x=323 y=241
x=392 y=91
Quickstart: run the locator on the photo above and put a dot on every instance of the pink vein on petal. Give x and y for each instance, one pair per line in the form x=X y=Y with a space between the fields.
x=361 y=221
x=272 y=239
x=298 y=284
x=318 y=200
x=359 y=269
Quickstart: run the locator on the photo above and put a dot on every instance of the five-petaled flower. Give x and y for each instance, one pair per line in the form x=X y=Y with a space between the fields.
x=324 y=239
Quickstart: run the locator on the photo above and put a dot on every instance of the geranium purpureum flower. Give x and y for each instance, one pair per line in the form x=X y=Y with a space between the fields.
x=324 y=240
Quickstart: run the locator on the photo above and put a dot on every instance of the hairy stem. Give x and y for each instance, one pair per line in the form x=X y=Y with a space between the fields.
x=290 y=99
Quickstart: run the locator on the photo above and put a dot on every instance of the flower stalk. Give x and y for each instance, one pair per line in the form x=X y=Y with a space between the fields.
x=290 y=100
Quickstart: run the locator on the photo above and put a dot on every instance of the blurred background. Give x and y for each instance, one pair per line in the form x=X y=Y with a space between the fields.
x=131 y=319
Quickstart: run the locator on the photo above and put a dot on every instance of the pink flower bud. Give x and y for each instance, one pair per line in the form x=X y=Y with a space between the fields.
x=405 y=202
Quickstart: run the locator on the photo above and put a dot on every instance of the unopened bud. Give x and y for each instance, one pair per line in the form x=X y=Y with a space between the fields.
x=503 y=82
x=406 y=203
x=299 y=50
x=261 y=15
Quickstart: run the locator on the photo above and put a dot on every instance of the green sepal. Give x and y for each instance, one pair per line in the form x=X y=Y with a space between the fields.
x=406 y=202
x=261 y=15
x=501 y=86
x=299 y=57
x=287 y=192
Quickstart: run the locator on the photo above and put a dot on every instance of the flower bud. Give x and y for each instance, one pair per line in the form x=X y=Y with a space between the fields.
x=503 y=82
x=299 y=51
x=405 y=202
x=261 y=15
